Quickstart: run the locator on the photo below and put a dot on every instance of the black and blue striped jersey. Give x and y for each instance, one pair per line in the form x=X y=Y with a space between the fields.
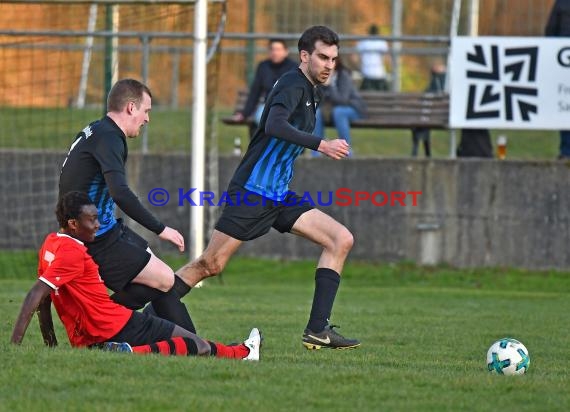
x=267 y=166
x=95 y=165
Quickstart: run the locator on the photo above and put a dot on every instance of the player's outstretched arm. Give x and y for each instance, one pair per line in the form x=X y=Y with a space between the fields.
x=174 y=236
x=277 y=125
x=46 y=322
x=129 y=202
x=38 y=292
x=335 y=149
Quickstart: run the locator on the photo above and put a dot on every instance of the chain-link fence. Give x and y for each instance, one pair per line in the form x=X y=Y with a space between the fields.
x=50 y=70
x=418 y=21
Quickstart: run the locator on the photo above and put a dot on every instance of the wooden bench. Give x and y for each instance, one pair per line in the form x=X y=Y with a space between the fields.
x=386 y=110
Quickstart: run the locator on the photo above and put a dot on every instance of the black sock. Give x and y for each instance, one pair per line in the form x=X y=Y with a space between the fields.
x=191 y=347
x=169 y=307
x=134 y=296
x=180 y=287
x=213 y=348
x=327 y=282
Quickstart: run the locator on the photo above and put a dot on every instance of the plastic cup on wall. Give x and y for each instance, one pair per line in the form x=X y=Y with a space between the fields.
x=502 y=147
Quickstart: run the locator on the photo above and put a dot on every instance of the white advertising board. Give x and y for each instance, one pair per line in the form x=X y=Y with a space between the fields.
x=510 y=83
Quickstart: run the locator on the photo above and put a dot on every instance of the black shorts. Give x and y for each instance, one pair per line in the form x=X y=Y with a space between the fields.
x=250 y=215
x=121 y=255
x=144 y=329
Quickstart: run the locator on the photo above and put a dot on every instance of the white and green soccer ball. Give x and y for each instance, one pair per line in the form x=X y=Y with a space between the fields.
x=508 y=356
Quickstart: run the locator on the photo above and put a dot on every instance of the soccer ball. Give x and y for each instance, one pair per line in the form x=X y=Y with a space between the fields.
x=508 y=356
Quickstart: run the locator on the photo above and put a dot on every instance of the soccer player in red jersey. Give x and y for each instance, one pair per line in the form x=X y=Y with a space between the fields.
x=70 y=279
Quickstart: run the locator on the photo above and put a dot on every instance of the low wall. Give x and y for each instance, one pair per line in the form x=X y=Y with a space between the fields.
x=469 y=213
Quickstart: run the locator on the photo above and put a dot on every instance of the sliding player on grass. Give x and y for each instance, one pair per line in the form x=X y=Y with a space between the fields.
x=69 y=277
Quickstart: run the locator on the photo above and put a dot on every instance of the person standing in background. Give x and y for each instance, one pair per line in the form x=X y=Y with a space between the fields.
x=436 y=85
x=558 y=25
x=372 y=53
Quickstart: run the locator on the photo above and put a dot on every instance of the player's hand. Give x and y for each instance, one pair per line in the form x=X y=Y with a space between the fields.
x=335 y=149
x=174 y=236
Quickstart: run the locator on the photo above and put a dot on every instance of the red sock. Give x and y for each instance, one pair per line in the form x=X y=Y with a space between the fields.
x=174 y=346
x=144 y=349
x=186 y=347
x=235 y=352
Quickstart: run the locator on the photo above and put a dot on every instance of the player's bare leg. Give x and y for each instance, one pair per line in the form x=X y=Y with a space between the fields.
x=156 y=274
x=322 y=229
x=336 y=241
x=217 y=254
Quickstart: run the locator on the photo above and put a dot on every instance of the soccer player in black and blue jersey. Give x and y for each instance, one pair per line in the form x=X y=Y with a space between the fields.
x=264 y=174
x=95 y=165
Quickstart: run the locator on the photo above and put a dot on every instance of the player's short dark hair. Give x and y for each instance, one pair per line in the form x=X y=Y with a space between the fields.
x=125 y=91
x=373 y=30
x=314 y=34
x=277 y=40
x=69 y=206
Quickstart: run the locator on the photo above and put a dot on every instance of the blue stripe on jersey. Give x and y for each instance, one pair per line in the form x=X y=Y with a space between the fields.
x=268 y=158
x=282 y=173
x=273 y=171
x=254 y=182
x=268 y=177
x=99 y=193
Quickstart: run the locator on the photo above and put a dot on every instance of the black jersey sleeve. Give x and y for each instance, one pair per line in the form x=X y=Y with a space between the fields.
x=110 y=154
x=278 y=126
x=129 y=202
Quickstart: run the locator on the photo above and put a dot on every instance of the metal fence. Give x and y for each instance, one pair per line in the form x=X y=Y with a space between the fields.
x=155 y=41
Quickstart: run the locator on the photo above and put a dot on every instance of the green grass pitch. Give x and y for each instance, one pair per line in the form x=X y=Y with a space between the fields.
x=424 y=332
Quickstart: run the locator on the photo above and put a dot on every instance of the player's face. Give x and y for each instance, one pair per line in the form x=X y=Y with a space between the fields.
x=139 y=115
x=321 y=62
x=277 y=52
x=86 y=225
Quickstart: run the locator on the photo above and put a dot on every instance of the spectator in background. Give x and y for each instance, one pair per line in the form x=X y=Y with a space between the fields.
x=558 y=25
x=267 y=73
x=436 y=85
x=372 y=54
x=345 y=103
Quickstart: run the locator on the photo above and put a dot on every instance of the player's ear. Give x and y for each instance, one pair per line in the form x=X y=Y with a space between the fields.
x=304 y=56
x=72 y=224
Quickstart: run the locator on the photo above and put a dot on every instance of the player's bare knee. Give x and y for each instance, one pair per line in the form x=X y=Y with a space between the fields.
x=165 y=283
x=164 y=280
x=168 y=282
x=344 y=241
